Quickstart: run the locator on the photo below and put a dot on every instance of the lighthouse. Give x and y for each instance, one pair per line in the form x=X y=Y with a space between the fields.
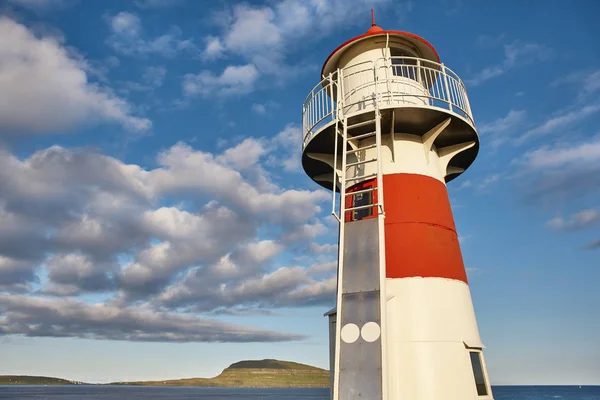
x=386 y=129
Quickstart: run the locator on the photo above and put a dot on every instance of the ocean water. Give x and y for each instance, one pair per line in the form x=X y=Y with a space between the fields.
x=185 y=393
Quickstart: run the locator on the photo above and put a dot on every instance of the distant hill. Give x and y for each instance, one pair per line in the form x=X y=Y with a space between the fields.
x=255 y=373
x=34 y=380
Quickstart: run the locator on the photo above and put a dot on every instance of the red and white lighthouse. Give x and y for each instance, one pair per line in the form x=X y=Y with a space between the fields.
x=386 y=129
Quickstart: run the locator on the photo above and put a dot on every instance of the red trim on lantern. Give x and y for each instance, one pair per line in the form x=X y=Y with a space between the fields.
x=376 y=31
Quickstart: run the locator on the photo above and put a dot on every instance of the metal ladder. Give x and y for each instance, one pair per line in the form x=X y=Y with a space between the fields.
x=351 y=148
x=351 y=135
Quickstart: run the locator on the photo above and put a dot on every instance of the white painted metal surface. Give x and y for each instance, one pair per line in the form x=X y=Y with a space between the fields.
x=432 y=323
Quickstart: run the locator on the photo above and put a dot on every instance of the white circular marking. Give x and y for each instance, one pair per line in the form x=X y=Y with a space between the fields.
x=350 y=333
x=370 y=332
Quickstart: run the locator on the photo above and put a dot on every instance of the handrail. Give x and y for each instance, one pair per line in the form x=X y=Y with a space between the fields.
x=434 y=85
x=318 y=106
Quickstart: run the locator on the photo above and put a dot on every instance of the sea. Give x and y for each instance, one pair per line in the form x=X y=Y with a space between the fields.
x=85 y=392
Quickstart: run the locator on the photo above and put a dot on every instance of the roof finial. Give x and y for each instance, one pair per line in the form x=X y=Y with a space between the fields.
x=373 y=17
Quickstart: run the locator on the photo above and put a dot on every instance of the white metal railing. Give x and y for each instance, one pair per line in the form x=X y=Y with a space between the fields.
x=320 y=106
x=392 y=82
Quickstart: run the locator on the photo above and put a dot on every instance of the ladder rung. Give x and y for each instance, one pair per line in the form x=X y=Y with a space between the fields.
x=364 y=177
x=360 y=162
x=359 y=124
x=361 y=191
x=361 y=207
x=364 y=135
x=371 y=146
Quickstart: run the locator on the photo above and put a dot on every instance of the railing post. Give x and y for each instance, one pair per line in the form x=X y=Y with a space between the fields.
x=339 y=93
x=335 y=147
x=331 y=96
x=448 y=100
x=342 y=92
x=468 y=105
x=303 y=125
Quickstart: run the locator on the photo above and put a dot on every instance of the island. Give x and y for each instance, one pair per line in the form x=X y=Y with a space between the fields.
x=266 y=373
x=35 y=380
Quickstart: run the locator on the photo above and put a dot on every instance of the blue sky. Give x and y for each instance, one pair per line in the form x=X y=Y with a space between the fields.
x=155 y=221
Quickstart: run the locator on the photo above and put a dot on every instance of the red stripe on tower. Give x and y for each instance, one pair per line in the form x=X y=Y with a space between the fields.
x=420 y=235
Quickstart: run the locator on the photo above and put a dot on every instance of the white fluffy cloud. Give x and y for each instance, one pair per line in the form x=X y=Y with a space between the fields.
x=41 y=316
x=235 y=79
x=562 y=173
x=562 y=156
x=49 y=91
x=579 y=220
x=560 y=121
x=93 y=224
x=264 y=36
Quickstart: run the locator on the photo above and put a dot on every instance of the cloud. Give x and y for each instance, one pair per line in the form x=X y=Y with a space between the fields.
x=155 y=76
x=482 y=185
x=259 y=108
x=235 y=79
x=266 y=108
x=561 y=156
x=74 y=273
x=244 y=155
x=266 y=36
x=127 y=37
x=561 y=173
x=500 y=129
x=593 y=245
x=579 y=220
x=587 y=81
x=75 y=222
x=152 y=79
x=49 y=91
x=288 y=141
x=79 y=214
x=213 y=49
x=324 y=268
x=515 y=54
x=284 y=287
x=562 y=120
x=323 y=248
x=185 y=239
x=40 y=316
x=15 y=274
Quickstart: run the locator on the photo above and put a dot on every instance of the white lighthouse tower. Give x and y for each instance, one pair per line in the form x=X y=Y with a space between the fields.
x=386 y=129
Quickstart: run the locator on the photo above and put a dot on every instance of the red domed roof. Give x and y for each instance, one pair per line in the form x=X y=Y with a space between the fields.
x=375 y=30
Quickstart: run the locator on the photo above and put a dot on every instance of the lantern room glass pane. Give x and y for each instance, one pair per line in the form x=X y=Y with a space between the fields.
x=478 y=373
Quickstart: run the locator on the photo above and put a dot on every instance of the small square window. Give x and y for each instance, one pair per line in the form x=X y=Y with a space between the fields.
x=478 y=373
x=362 y=199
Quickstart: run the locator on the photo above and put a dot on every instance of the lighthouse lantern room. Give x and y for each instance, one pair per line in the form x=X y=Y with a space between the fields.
x=386 y=128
